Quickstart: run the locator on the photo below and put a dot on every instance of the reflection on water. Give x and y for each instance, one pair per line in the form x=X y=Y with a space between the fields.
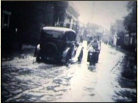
x=110 y=79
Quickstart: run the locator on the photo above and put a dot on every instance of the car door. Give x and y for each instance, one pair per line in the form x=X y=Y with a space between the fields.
x=71 y=37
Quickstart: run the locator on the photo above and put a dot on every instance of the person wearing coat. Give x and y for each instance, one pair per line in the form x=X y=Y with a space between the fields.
x=80 y=55
x=97 y=46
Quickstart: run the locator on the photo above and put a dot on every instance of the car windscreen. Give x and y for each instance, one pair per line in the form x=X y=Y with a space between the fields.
x=52 y=34
x=69 y=36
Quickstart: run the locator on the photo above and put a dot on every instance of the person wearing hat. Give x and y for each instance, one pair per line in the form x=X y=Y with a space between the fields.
x=80 y=55
x=96 y=45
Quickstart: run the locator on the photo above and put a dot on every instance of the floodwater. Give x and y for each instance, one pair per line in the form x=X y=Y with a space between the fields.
x=25 y=80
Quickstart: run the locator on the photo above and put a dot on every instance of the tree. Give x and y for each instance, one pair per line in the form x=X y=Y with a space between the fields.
x=130 y=23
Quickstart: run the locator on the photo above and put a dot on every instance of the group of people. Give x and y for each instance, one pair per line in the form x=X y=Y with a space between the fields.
x=96 y=45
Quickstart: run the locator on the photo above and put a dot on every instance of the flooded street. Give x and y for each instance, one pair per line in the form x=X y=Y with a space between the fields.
x=25 y=80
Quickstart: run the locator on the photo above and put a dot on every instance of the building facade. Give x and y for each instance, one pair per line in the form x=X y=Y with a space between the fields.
x=120 y=37
x=71 y=17
x=28 y=17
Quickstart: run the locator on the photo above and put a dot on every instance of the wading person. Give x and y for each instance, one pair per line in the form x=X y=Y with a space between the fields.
x=81 y=55
x=96 y=46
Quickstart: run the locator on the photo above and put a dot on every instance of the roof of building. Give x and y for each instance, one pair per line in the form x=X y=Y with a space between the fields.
x=72 y=11
x=58 y=28
x=74 y=7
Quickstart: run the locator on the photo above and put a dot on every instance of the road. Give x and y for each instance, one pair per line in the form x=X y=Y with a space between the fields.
x=25 y=80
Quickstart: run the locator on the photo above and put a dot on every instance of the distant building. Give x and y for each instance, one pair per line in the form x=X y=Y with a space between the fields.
x=115 y=29
x=113 y=35
x=120 y=37
x=125 y=39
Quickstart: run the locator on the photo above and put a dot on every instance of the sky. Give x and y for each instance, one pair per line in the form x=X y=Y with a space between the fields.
x=103 y=13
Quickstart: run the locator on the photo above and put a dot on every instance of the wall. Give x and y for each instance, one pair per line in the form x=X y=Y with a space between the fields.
x=29 y=17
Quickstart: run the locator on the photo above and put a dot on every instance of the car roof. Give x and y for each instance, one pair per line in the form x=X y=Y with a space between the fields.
x=58 y=29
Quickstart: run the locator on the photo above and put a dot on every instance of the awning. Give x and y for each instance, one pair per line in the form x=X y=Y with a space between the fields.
x=70 y=15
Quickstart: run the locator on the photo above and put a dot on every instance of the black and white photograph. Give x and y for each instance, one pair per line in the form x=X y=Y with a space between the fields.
x=69 y=51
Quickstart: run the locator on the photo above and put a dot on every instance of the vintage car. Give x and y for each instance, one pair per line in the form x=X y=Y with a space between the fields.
x=56 y=44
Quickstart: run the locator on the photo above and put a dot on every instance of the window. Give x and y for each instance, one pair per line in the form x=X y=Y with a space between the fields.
x=51 y=33
x=70 y=36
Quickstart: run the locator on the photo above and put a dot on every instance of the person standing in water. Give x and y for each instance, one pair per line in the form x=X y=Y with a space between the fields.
x=80 y=55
